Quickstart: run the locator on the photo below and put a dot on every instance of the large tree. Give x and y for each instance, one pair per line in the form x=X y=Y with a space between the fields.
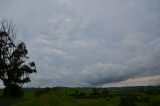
x=14 y=65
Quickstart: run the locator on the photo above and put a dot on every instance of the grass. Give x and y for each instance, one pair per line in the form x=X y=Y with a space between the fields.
x=61 y=98
x=84 y=97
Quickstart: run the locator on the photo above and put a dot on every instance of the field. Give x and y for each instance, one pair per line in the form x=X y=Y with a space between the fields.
x=59 y=96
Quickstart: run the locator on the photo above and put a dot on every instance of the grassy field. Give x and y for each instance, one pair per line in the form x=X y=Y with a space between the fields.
x=130 y=96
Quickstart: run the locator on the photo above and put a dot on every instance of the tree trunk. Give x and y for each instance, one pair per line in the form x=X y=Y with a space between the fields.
x=12 y=91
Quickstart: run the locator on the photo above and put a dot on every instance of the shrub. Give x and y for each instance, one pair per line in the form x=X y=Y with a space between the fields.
x=104 y=93
x=13 y=91
x=144 y=99
x=129 y=100
x=40 y=92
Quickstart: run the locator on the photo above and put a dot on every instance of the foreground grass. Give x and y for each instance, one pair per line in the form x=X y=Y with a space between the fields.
x=62 y=101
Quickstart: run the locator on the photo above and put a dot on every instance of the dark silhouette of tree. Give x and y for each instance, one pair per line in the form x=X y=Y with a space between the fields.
x=14 y=70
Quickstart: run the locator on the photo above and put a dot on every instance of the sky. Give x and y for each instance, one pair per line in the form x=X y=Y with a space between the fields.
x=82 y=43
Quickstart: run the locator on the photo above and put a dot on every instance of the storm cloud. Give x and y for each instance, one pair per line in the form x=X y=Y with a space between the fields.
x=86 y=42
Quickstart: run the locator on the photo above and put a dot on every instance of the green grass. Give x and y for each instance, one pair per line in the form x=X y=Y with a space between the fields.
x=63 y=97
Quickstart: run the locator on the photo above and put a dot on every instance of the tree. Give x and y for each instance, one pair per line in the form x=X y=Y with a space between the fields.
x=14 y=70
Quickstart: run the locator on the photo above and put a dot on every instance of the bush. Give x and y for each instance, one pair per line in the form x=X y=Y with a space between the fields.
x=104 y=93
x=144 y=99
x=129 y=100
x=40 y=92
x=94 y=92
x=78 y=94
x=47 y=89
x=13 y=91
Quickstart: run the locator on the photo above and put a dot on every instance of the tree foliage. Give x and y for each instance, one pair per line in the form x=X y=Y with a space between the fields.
x=14 y=70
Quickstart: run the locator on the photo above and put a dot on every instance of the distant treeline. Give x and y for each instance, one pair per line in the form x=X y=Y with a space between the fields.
x=149 y=89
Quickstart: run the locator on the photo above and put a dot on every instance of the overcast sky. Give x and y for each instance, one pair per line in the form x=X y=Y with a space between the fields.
x=89 y=42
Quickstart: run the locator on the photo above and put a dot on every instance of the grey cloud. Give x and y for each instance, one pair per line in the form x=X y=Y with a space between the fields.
x=81 y=42
x=140 y=58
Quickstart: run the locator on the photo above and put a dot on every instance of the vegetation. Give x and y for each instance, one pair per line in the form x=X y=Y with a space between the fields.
x=124 y=96
x=14 y=71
